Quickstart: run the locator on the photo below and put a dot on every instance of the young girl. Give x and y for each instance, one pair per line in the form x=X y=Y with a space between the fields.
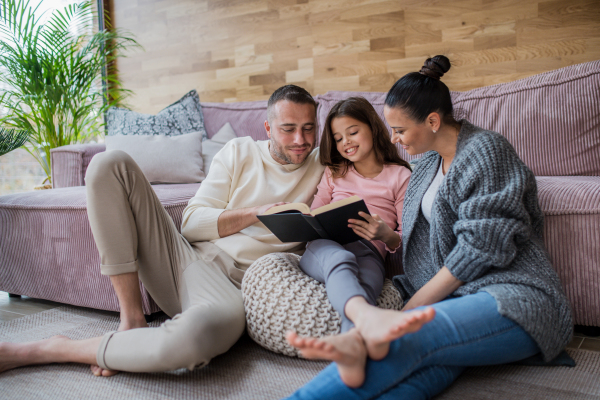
x=362 y=161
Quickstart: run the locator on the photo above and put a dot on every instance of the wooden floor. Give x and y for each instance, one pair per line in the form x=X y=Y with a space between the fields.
x=12 y=308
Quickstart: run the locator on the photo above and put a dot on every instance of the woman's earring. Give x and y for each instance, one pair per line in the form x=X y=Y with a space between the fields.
x=434 y=131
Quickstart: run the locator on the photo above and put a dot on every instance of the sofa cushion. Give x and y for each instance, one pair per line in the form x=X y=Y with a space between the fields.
x=212 y=146
x=163 y=159
x=246 y=118
x=571 y=207
x=552 y=119
x=48 y=250
x=183 y=116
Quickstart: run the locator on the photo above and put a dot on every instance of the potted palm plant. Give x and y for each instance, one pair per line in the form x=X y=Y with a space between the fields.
x=11 y=139
x=51 y=74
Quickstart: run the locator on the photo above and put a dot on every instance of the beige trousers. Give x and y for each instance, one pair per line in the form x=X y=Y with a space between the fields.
x=133 y=232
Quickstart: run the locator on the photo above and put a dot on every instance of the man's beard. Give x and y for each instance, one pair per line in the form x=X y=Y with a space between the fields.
x=278 y=150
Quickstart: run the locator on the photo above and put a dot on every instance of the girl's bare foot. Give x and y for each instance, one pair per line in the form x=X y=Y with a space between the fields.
x=346 y=350
x=379 y=327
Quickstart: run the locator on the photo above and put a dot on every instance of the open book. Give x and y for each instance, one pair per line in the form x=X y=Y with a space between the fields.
x=295 y=222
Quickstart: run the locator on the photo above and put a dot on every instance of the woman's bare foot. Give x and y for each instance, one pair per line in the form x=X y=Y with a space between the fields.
x=346 y=350
x=379 y=327
x=15 y=355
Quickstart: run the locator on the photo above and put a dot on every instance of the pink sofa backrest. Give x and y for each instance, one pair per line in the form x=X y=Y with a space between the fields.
x=246 y=118
x=552 y=119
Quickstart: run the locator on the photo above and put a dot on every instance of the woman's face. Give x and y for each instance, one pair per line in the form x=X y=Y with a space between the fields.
x=353 y=139
x=415 y=138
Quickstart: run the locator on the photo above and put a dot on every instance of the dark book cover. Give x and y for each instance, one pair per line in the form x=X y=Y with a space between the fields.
x=293 y=226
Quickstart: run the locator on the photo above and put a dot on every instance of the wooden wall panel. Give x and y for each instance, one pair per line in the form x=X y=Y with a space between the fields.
x=241 y=50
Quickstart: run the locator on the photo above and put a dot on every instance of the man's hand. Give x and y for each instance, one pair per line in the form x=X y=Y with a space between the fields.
x=263 y=209
x=374 y=228
x=233 y=221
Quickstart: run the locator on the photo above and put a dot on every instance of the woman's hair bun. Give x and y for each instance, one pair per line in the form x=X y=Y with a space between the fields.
x=435 y=67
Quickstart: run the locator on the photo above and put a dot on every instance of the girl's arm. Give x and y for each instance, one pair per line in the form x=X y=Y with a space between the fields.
x=375 y=228
x=438 y=288
x=324 y=191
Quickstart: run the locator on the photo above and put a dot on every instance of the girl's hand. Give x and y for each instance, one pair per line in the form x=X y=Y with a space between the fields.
x=374 y=228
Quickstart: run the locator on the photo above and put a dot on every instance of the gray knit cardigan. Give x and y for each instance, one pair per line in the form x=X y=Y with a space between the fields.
x=486 y=228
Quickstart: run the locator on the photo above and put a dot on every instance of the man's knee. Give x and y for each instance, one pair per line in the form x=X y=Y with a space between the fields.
x=104 y=163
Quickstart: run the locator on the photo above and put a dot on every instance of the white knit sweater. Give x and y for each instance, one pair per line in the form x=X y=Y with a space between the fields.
x=243 y=174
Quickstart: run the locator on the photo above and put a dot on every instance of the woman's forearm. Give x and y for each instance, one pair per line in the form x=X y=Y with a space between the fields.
x=438 y=288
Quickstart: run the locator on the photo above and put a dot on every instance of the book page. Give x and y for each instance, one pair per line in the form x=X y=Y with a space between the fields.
x=335 y=204
x=301 y=207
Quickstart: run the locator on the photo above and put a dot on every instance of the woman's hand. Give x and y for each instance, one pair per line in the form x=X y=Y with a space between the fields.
x=374 y=228
x=442 y=285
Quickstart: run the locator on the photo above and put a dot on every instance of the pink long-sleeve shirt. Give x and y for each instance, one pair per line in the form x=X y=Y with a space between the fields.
x=383 y=194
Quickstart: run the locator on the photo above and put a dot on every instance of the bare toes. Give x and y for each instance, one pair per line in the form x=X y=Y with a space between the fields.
x=108 y=372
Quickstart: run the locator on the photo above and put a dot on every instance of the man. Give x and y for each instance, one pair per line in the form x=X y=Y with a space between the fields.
x=194 y=276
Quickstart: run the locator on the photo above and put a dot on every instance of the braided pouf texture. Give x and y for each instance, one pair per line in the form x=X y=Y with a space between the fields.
x=279 y=297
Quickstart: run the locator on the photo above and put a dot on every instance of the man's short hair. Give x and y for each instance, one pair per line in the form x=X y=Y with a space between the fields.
x=292 y=93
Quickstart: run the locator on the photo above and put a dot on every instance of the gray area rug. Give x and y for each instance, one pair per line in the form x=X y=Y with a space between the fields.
x=248 y=371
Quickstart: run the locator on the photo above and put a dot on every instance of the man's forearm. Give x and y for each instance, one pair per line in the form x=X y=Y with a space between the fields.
x=438 y=288
x=233 y=221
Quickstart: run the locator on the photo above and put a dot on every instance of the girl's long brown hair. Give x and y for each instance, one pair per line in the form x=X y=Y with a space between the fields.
x=361 y=110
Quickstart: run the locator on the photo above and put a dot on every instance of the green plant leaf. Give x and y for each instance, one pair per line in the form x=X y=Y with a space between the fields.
x=50 y=72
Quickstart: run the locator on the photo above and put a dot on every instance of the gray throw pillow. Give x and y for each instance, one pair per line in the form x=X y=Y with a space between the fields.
x=163 y=159
x=183 y=116
x=212 y=146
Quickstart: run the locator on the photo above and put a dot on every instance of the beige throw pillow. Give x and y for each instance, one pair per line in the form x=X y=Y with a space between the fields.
x=212 y=146
x=163 y=159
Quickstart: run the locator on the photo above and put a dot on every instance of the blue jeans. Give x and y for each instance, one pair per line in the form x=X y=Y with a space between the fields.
x=466 y=331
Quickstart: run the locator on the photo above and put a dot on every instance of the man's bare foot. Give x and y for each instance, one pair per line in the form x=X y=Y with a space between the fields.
x=346 y=350
x=99 y=371
x=139 y=321
x=379 y=327
x=15 y=355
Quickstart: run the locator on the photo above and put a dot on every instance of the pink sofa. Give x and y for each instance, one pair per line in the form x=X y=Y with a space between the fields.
x=552 y=119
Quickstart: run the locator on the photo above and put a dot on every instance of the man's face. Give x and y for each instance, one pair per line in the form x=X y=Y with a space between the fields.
x=292 y=132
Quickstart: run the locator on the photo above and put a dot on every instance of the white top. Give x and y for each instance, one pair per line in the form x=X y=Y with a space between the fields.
x=243 y=174
x=429 y=195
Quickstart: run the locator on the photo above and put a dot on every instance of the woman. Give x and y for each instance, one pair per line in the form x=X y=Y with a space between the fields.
x=473 y=251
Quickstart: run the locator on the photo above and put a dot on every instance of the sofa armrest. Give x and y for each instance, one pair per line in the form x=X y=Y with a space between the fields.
x=69 y=163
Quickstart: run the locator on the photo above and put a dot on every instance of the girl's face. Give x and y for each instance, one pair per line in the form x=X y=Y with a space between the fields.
x=353 y=139
x=414 y=137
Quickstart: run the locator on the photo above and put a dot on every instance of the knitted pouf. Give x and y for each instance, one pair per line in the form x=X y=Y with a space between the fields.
x=279 y=297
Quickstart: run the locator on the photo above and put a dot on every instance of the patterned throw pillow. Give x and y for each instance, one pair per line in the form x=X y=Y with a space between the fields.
x=183 y=116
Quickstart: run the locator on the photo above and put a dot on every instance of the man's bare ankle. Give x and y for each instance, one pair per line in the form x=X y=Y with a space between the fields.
x=132 y=322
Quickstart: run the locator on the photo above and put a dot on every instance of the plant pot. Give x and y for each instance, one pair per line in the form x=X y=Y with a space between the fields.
x=43 y=187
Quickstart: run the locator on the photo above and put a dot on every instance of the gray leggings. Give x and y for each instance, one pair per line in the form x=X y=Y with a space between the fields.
x=354 y=269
